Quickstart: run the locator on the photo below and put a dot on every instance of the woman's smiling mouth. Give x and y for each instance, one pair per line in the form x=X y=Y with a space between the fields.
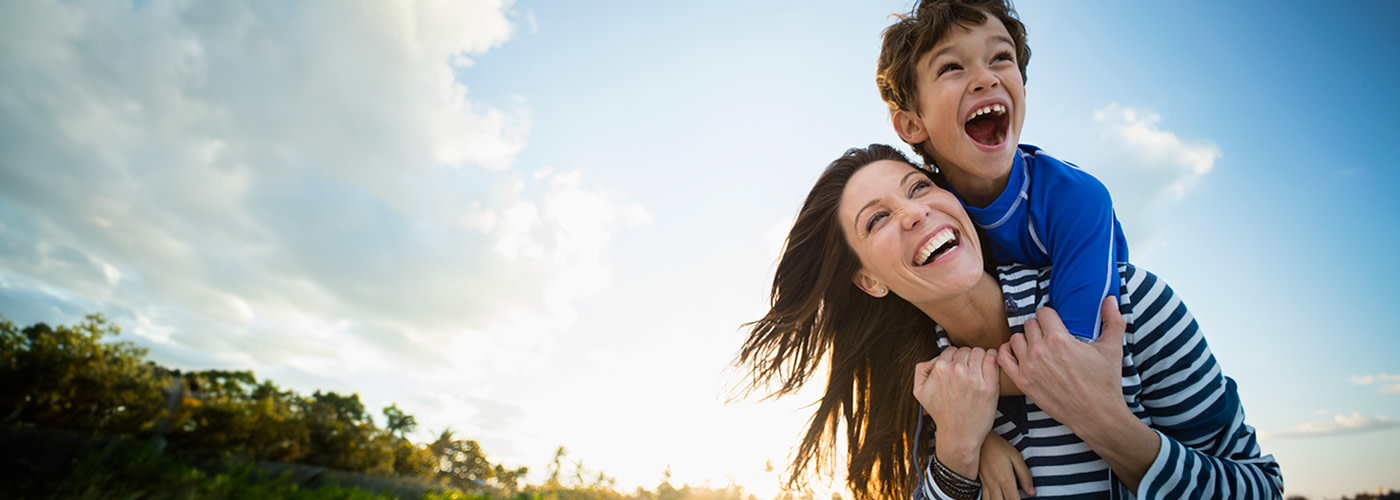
x=942 y=242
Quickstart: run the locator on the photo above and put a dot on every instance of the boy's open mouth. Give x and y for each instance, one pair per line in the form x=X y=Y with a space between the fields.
x=941 y=243
x=988 y=125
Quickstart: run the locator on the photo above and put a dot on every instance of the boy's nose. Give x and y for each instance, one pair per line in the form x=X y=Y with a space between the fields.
x=983 y=79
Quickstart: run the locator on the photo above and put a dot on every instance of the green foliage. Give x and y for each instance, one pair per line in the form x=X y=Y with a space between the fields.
x=66 y=378
x=142 y=473
x=78 y=378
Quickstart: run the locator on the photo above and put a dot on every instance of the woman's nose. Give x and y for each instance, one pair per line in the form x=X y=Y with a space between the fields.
x=911 y=215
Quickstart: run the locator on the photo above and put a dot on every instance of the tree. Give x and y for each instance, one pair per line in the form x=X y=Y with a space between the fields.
x=461 y=463
x=67 y=378
x=398 y=422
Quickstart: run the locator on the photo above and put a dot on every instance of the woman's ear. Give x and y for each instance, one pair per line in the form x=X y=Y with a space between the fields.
x=869 y=284
x=909 y=127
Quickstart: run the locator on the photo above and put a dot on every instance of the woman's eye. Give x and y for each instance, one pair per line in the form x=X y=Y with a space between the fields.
x=870 y=225
x=948 y=67
x=918 y=187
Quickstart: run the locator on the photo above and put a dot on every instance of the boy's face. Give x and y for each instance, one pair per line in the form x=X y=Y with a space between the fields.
x=971 y=108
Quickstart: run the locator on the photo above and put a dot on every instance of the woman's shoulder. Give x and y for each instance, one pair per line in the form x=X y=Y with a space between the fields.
x=1141 y=293
x=1133 y=278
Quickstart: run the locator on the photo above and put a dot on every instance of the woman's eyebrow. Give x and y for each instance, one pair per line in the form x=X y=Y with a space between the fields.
x=856 y=222
x=902 y=181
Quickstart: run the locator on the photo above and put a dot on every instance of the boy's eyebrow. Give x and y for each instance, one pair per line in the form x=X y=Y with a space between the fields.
x=934 y=55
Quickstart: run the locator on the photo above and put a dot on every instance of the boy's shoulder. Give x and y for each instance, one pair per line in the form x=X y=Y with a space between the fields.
x=1035 y=157
x=1042 y=165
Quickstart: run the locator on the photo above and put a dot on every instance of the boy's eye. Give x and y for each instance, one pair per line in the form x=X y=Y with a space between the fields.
x=870 y=225
x=948 y=67
x=1004 y=56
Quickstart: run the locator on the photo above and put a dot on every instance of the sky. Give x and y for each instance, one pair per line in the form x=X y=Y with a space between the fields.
x=544 y=223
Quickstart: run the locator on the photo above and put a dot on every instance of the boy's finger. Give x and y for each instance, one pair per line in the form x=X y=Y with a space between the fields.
x=1007 y=360
x=1023 y=476
x=989 y=365
x=991 y=491
x=1049 y=321
x=1032 y=328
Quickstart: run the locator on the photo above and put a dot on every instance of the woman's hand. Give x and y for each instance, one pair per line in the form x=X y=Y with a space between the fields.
x=1001 y=468
x=959 y=390
x=1081 y=385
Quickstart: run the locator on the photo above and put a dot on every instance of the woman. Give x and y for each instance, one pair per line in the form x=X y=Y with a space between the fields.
x=883 y=269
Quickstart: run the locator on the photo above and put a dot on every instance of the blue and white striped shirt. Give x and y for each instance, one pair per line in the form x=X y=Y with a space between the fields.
x=1170 y=381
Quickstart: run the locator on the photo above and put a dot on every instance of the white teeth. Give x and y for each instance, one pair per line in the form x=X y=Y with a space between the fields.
x=995 y=108
x=938 y=240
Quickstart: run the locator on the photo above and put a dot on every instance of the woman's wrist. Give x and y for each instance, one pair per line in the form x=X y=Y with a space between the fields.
x=959 y=485
x=959 y=457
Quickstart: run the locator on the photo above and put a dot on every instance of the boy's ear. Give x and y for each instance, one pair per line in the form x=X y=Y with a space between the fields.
x=909 y=127
x=869 y=284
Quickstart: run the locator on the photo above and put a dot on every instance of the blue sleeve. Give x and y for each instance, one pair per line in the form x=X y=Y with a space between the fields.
x=1207 y=450
x=1084 y=242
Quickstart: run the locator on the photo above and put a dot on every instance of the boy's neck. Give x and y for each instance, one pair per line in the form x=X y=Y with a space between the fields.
x=977 y=192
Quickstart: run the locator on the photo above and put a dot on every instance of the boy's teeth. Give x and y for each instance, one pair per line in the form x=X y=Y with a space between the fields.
x=997 y=108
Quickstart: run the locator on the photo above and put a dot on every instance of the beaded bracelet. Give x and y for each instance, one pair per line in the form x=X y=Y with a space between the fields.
x=953 y=483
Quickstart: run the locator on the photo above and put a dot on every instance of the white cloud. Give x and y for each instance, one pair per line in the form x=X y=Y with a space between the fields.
x=1390 y=384
x=1181 y=162
x=1340 y=424
x=1145 y=167
x=244 y=185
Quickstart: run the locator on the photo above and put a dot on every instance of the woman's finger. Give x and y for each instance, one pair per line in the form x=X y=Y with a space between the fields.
x=921 y=373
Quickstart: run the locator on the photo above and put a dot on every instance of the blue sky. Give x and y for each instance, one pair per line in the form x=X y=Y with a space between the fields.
x=542 y=223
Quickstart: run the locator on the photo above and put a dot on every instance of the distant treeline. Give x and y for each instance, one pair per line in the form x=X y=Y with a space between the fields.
x=79 y=379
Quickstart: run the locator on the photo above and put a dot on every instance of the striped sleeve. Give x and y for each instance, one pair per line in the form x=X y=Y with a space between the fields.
x=1207 y=451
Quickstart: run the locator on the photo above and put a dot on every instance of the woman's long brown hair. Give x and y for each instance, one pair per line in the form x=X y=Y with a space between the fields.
x=817 y=313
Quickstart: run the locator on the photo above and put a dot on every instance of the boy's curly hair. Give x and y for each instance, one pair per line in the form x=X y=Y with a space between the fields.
x=917 y=32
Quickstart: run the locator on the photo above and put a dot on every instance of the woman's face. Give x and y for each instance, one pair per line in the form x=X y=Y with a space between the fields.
x=912 y=237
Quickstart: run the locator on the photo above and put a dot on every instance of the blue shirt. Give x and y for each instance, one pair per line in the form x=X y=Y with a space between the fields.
x=1054 y=214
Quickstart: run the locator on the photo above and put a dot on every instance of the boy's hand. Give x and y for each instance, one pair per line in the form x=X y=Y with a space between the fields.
x=1075 y=383
x=1002 y=468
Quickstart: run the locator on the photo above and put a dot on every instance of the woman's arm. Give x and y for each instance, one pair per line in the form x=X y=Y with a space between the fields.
x=1193 y=406
x=1197 y=422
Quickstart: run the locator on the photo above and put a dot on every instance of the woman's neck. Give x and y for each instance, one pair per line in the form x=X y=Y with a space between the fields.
x=974 y=319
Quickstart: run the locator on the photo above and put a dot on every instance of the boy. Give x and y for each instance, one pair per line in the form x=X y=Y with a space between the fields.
x=953 y=75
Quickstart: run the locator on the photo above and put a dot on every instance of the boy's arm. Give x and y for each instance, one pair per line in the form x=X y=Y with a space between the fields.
x=1082 y=236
